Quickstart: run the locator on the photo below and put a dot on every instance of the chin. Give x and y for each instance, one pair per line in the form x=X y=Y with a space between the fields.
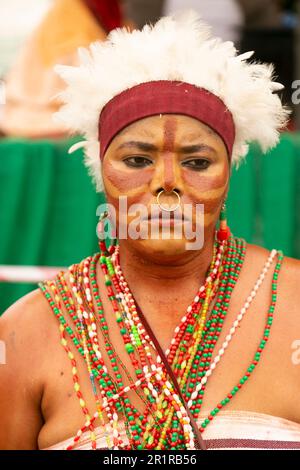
x=161 y=249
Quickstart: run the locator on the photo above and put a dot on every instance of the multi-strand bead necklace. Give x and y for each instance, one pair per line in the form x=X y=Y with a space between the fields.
x=164 y=424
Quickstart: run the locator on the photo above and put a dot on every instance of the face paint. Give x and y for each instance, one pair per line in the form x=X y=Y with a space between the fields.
x=123 y=181
x=207 y=187
x=168 y=148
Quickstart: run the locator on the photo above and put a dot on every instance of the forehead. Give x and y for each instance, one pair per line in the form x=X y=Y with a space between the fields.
x=157 y=128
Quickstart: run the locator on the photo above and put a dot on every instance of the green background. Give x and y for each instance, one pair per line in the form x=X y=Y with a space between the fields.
x=48 y=204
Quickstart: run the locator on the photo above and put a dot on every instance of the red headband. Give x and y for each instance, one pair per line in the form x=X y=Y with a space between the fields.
x=164 y=97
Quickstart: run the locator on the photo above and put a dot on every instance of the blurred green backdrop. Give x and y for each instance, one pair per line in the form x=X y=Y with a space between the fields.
x=48 y=204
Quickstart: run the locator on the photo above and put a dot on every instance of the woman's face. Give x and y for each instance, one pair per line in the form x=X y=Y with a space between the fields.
x=166 y=152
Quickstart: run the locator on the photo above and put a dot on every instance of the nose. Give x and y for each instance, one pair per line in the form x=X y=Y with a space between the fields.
x=167 y=175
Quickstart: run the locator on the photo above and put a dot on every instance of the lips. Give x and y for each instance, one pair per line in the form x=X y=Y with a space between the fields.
x=171 y=216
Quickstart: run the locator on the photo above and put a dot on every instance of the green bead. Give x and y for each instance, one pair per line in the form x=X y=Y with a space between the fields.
x=129 y=348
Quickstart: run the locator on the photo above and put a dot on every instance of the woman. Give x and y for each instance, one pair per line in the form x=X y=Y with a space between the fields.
x=175 y=110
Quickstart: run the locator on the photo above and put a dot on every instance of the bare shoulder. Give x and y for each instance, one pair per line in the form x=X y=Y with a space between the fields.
x=25 y=330
x=288 y=287
x=26 y=320
x=289 y=275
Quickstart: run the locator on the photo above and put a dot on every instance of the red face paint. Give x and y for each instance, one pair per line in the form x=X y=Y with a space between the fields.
x=127 y=180
x=204 y=182
x=170 y=128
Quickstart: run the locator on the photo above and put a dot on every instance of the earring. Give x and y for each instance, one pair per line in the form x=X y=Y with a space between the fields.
x=224 y=231
x=101 y=232
x=103 y=235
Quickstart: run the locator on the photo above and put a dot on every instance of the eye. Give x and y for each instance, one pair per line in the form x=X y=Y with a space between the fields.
x=137 y=161
x=197 y=164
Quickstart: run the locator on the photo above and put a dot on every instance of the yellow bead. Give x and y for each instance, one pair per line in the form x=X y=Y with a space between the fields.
x=71 y=355
x=74 y=370
x=64 y=342
x=82 y=403
x=77 y=387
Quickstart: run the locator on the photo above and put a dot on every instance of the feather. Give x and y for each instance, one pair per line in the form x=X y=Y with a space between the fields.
x=178 y=47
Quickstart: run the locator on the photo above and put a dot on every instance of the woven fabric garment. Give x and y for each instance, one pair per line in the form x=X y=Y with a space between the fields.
x=232 y=430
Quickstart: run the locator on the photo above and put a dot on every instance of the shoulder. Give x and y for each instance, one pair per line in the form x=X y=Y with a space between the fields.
x=290 y=267
x=288 y=287
x=25 y=326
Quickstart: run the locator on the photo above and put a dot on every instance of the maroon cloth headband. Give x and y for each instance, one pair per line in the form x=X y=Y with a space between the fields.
x=164 y=97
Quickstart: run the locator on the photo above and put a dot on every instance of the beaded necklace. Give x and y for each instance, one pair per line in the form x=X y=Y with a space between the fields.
x=164 y=424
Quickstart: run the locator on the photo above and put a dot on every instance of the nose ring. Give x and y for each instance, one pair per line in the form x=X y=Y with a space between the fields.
x=172 y=208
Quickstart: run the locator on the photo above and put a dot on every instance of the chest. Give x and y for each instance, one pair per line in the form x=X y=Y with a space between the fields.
x=264 y=391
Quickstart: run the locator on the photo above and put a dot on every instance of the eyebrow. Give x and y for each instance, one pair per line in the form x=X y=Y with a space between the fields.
x=147 y=147
x=195 y=148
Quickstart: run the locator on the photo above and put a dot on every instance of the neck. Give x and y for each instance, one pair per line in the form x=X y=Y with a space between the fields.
x=150 y=272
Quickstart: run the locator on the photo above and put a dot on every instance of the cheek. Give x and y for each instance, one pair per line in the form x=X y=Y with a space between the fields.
x=120 y=182
x=207 y=189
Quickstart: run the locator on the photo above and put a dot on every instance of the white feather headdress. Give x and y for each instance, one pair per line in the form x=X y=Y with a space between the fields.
x=179 y=48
